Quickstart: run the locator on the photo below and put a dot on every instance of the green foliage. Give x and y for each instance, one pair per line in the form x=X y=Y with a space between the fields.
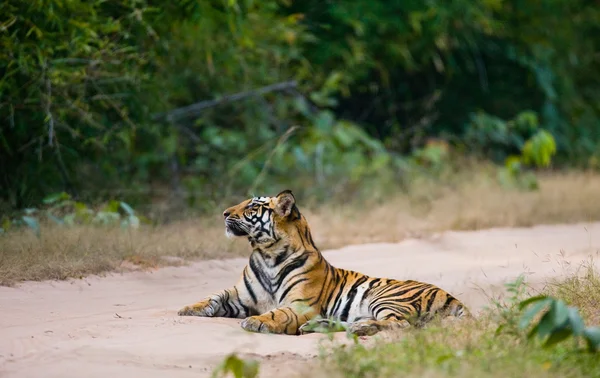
x=497 y=138
x=539 y=149
x=85 y=101
x=62 y=210
x=557 y=322
x=238 y=367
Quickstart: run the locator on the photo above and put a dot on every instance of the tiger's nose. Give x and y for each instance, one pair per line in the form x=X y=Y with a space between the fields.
x=226 y=213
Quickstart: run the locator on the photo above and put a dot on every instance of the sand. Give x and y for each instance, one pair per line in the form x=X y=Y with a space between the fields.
x=126 y=325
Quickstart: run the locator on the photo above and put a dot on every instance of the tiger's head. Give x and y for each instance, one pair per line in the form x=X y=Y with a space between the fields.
x=263 y=220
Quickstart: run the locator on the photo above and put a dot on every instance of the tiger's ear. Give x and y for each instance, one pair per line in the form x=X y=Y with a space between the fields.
x=285 y=203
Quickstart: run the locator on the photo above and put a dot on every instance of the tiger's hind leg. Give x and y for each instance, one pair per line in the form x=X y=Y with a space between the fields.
x=371 y=327
x=393 y=318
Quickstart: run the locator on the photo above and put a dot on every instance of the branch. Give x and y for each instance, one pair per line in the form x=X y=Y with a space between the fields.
x=48 y=105
x=195 y=109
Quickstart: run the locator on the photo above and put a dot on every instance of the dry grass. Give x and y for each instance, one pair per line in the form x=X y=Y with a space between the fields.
x=475 y=202
x=471 y=200
x=582 y=290
x=73 y=252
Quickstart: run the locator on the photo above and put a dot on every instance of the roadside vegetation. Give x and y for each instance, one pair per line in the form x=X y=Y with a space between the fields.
x=125 y=132
x=65 y=239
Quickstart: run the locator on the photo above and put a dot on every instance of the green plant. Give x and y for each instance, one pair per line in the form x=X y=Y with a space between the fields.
x=239 y=367
x=557 y=322
x=535 y=152
x=505 y=311
x=539 y=149
x=61 y=209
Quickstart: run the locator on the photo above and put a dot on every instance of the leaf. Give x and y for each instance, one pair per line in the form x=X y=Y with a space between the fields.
x=576 y=321
x=560 y=312
x=55 y=219
x=513 y=164
x=238 y=367
x=534 y=310
x=131 y=221
x=343 y=137
x=112 y=206
x=544 y=327
x=324 y=120
x=499 y=330
x=32 y=223
x=592 y=337
x=531 y=300
x=443 y=358
x=55 y=197
x=557 y=337
x=539 y=149
x=250 y=369
x=127 y=208
x=554 y=320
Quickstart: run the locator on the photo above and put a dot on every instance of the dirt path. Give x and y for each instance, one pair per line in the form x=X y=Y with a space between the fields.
x=126 y=325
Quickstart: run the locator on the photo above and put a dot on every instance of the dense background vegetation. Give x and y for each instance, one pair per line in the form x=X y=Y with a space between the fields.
x=88 y=90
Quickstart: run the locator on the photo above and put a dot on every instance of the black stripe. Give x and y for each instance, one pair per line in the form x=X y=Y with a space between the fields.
x=366 y=292
x=249 y=288
x=389 y=306
x=229 y=310
x=430 y=300
x=295 y=264
x=264 y=281
x=412 y=297
x=402 y=292
x=245 y=308
x=282 y=256
x=335 y=280
x=312 y=242
x=324 y=289
x=296 y=212
x=351 y=295
x=290 y=287
x=449 y=300
x=337 y=302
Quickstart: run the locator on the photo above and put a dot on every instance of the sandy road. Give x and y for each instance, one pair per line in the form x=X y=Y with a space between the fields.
x=125 y=325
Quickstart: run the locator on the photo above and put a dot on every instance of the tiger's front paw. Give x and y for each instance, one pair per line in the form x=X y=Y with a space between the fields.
x=256 y=324
x=206 y=308
x=363 y=329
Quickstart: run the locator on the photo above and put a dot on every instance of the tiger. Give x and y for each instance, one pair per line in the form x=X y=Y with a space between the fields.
x=288 y=285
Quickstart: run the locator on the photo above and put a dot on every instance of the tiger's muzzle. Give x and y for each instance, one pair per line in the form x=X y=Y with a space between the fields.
x=232 y=227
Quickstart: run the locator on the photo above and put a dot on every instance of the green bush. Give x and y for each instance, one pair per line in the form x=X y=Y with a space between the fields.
x=87 y=89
